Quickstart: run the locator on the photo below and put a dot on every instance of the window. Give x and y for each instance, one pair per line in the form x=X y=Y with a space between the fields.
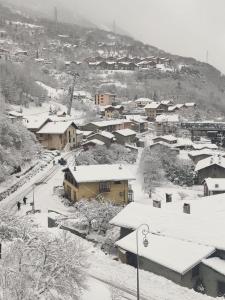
x=216 y=185
x=117 y=182
x=104 y=187
x=187 y=208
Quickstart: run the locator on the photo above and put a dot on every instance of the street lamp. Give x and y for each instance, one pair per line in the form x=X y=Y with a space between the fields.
x=145 y=231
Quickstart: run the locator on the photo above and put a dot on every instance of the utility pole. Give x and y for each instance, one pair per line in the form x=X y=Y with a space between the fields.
x=71 y=91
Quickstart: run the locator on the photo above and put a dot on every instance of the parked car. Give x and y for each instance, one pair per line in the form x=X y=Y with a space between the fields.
x=62 y=161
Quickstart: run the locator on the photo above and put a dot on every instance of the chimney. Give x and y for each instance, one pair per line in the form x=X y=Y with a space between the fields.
x=74 y=168
x=157 y=203
x=187 y=208
x=120 y=167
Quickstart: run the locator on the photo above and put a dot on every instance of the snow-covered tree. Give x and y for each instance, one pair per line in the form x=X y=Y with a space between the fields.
x=43 y=267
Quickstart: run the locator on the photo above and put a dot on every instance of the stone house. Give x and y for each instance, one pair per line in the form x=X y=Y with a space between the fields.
x=110 y=182
x=58 y=135
x=213 y=167
x=125 y=136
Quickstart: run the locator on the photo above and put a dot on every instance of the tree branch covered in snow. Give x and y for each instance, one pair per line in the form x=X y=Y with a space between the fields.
x=17 y=145
x=43 y=267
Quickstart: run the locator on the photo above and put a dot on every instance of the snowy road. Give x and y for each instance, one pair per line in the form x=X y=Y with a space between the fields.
x=40 y=178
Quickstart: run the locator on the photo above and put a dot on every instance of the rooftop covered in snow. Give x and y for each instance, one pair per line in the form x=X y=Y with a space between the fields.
x=209 y=161
x=126 y=132
x=97 y=173
x=56 y=127
x=181 y=256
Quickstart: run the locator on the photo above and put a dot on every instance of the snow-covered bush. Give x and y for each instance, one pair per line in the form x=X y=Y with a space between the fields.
x=96 y=214
x=43 y=267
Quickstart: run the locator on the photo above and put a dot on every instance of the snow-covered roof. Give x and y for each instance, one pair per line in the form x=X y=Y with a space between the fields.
x=169 y=138
x=126 y=132
x=34 y=122
x=167 y=118
x=137 y=118
x=205 y=146
x=153 y=105
x=196 y=153
x=107 y=134
x=179 y=256
x=209 y=161
x=94 y=141
x=55 y=127
x=180 y=105
x=167 y=102
x=215 y=184
x=184 y=142
x=87 y=133
x=96 y=173
x=189 y=104
x=197 y=228
x=172 y=108
x=108 y=123
x=15 y=114
x=216 y=264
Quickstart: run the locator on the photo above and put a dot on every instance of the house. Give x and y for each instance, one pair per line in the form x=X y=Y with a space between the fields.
x=58 y=135
x=109 y=182
x=92 y=143
x=205 y=228
x=168 y=102
x=108 y=125
x=169 y=139
x=109 y=110
x=15 y=116
x=198 y=155
x=155 y=109
x=171 y=258
x=163 y=147
x=205 y=146
x=213 y=186
x=142 y=102
x=125 y=136
x=189 y=105
x=105 y=99
x=138 y=123
x=166 y=124
x=104 y=136
x=213 y=167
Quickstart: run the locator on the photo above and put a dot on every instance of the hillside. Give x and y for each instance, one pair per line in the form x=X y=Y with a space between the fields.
x=187 y=79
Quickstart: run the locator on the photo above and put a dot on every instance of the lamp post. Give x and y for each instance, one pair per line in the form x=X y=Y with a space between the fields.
x=145 y=231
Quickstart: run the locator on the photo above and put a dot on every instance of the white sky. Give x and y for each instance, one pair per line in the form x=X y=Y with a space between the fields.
x=185 y=27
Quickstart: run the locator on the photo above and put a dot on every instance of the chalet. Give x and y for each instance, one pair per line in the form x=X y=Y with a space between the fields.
x=129 y=66
x=155 y=109
x=108 y=182
x=163 y=147
x=172 y=109
x=106 y=137
x=109 y=110
x=213 y=186
x=168 y=102
x=125 y=136
x=105 y=99
x=205 y=146
x=58 y=135
x=166 y=124
x=203 y=262
x=169 y=139
x=108 y=125
x=213 y=167
x=142 y=102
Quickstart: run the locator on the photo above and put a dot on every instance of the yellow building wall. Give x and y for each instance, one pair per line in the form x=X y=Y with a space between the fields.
x=118 y=192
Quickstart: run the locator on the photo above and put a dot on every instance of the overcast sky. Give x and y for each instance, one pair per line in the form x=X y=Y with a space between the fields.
x=185 y=27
